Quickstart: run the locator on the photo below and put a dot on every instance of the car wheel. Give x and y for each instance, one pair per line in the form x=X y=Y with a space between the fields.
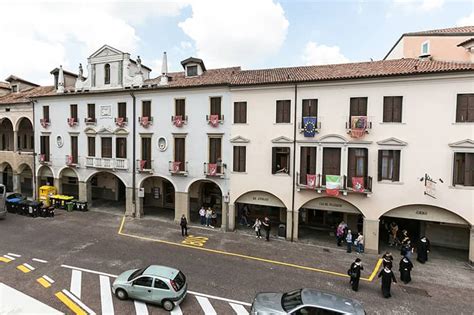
x=121 y=294
x=168 y=305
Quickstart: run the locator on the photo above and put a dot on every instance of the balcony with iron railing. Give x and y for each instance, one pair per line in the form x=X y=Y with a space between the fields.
x=72 y=161
x=90 y=121
x=145 y=121
x=179 y=120
x=215 y=120
x=214 y=169
x=178 y=168
x=145 y=166
x=107 y=163
x=358 y=185
x=72 y=122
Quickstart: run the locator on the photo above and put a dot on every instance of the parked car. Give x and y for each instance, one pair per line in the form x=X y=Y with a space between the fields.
x=3 y=208
x=304 y=302
x=153 y=284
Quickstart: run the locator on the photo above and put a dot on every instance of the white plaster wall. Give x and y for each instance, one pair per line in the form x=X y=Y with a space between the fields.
x=397 y=51
x=428 y=126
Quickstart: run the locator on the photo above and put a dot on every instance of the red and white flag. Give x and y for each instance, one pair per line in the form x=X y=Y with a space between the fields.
x=176 y=166
x=214 y=120
x=178 y=121
x=71 y=121
x=311 y=180
x=358 y=184
x=120 y=121
x=142 y=164
x=145 y=121
x=42 y=157
x=212 y=169
x=69 y=160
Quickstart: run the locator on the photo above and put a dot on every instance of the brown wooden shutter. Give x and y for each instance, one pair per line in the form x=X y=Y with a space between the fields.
x=74 y=149
x=216 y=106
x=243 y=159
x=396 y=166
x=387 y=109
x=274 y=160
x=351 y=166
x=243 y=112
x=146 y=109
x=180 y=107
x=46 y=112
x=122 y=110
x=461 y=108
x=121 y=148
x=91 y=145
x=397 y=109
x=74 y=111
x=286 y=113
x=91 y=111
x=106 y=147
x=470 y=108
x=468 y=166
x=179 y=153
x=303 y=164
x=379 y=166
x=279 y=112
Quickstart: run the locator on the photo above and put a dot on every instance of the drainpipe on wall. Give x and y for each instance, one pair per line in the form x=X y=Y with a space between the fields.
x=35 y=184
x=293 y=186
x=134 y=168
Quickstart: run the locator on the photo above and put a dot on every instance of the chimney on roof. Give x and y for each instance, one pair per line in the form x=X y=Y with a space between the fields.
x=164 y=70
x=60 y=88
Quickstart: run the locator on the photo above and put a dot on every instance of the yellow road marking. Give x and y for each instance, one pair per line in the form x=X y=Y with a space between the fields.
x=195 y=240
x=5 y=259
x=374 y=272
x=43 y=282
x=215 y=251
x=69 y=303
x=23 y=268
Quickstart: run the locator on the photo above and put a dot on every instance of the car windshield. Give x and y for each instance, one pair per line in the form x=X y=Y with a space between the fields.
x=180 y=280
x=291 y=300
x=136 y=273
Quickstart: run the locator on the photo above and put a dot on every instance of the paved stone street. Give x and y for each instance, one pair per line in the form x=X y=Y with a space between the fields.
x=233 y=266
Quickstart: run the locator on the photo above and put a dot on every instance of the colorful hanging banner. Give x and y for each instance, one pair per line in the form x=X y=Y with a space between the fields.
x=212 y=169
x=333 y=184
x=311 y=180
x=309 y=126
x=176 y=166
x=358 y=126
x=358 y=184
x=214 y=120
x=178 y=121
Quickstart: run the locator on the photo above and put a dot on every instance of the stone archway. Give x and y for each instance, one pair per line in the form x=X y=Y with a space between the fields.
x=45 y=176
x=25 y=135
x=6 y=176
x=205 y=193
x=159 y=197
x=106 y=191
x=6 y=135
x=68 y=182
x=26 y=180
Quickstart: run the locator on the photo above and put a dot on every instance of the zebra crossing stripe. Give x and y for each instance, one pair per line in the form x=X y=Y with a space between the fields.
x=140 y=308
x=79 y=302
x=206 y=305
x=176 y=311
x=9 y=257
x=76 y=279
x=5 y=259
x=40 y=260
x=48 y=279
x=239 y=309
x=29 y=266
x=106 y=296
x=14 y=255
x=23 y=269
x=43 y=282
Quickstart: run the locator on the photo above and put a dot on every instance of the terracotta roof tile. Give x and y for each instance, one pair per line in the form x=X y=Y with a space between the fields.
x=25 y=95
x=373 y=69
x=209 y=77
x=462 y=30
x=4 y=85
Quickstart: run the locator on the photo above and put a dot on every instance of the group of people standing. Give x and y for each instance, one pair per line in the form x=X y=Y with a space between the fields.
x=266 y=225
x=208 y=217
x=387 y=274
x=343 y=233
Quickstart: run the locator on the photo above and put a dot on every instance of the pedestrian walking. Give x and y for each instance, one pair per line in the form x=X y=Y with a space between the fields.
x=202 y=215
x=354 y=273
x=267 y=227
x=387 y=278
x=340 y=233
x=244 y=219
x=359 y=243
x=422 y=250
x=349 y=241
x=387 y=260
x=208 y=217
x=257 y=226
x=392 y=239
x=213 y=218
x=407 y=250
x=405 y=270
x=184 y=225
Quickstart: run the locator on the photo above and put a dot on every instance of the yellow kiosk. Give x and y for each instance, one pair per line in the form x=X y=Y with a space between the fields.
x=45 y=192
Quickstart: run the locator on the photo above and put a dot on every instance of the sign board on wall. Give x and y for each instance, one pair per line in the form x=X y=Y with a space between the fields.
x=425 y=213
x=331 y=204
x=156 y=192
x=260 y=198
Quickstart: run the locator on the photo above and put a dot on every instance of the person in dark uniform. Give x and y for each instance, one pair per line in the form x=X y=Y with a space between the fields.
x=387 y=260
x=422 y=249
x=354 y=273
x=184 y=225
x=267 y=227
x=387 y=277
x=405 y=270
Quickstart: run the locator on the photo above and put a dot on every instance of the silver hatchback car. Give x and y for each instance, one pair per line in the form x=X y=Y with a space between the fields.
x=304 y=302
x=154 y=284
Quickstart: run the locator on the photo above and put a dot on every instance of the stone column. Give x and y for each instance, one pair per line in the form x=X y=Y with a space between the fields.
x=471 y=245
x=139 y=207
x=129 y=206
x=371 y=236
x=15 y=141
x=181 y=206
x=58 y=185
x=225 y=216
x=84 y=192
x=292 y=216
x=231 y=217
x=16 y=182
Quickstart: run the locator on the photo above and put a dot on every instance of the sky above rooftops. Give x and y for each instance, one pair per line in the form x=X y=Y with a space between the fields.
x=38 y=36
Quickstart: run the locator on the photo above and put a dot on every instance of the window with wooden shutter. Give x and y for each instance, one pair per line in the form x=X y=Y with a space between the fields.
x=46 y=113
x=331 y=162
x=91 y=111
x=357 y=164
x=44 y=147
x=74 y=149
x=215 y=146
x=106 y=143
x=73 y=108
x=465 y=108
x=216 y=106
x=146 y=152
x=389 y=165
x=146 y=109
x=396 y=166
x=307 y=163
x=239 y=158
x=309 y=108
x=240 y=112
x=121 y=148
x=180 y=107
x=280 y=160
x=91 y=146
x=179 y=152
x=283 y=108
x=392 y=108
x=107 y=74
x=358 y=107
x=122 y=110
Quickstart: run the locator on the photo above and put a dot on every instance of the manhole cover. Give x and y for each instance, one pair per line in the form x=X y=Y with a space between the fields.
x=416 y=291
x=326 y=250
